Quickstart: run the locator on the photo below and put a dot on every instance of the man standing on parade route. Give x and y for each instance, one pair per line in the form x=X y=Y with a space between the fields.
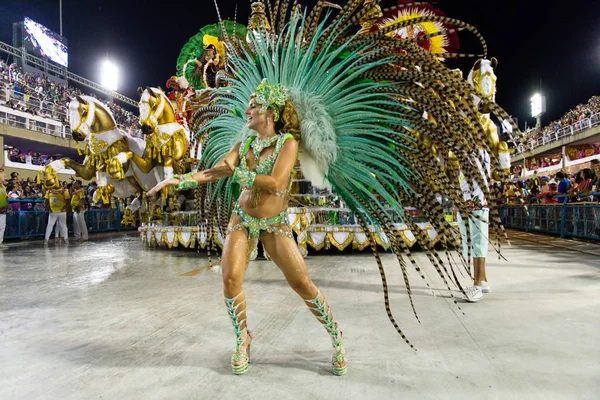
x=80 y=231
x=57 y=202
x=3 y=206
x=478 y=226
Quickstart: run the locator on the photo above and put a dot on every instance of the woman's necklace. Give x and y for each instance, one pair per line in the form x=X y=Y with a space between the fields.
x=258 y=145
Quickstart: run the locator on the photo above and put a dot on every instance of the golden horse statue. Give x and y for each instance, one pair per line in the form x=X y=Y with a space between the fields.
x=166 y=144
x=93 y=124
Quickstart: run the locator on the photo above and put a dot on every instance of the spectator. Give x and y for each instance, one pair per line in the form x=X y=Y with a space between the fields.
x=3 y=206
x=596 y=168
x=14 y=177
x=583 y=185
x=547 y=197
x=478 y=226
x=564 y=184
x=80 y=230
x=57 y=203
x=14 y=194
x=92 y=194
x=544 y=186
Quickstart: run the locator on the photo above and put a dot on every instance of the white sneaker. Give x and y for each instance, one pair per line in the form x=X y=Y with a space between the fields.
x=46 y=243
x=486 y=287
x=473 y=294
x=3 y=246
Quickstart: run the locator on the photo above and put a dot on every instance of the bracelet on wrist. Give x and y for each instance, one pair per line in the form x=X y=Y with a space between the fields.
x=244 y=177
x=187 y=185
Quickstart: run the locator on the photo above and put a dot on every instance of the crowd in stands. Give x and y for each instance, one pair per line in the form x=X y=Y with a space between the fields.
x=30 y=157
x=29 y=189
x=543 y=163
x=575 y=117
x=38 y=95
x=573 y=153
x=583 y=186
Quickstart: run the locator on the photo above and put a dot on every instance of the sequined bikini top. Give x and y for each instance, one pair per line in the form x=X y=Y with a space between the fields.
x=264 y=167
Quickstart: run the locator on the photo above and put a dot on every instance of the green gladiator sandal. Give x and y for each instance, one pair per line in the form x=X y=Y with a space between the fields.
x=239 y=359
x=322 y=311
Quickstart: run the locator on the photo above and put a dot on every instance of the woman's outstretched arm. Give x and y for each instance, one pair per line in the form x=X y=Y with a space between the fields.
x=223 y=168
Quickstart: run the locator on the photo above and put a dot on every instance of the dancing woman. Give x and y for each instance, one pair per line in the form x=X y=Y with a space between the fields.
x=350 y=108
x=263 y=165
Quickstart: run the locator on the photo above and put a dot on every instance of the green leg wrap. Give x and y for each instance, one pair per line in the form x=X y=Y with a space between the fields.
x=239 y=359
x=322 y=311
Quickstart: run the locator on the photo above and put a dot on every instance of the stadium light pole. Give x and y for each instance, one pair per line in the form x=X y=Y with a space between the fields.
x=538 y=107
x=109 y=75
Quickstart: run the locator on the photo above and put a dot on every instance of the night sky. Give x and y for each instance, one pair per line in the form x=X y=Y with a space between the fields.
x=555 y=44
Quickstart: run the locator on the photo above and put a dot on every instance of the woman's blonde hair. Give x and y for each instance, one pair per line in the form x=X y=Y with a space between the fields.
x=288 y=121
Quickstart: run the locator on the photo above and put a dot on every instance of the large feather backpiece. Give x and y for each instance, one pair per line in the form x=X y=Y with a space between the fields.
x=380 y=118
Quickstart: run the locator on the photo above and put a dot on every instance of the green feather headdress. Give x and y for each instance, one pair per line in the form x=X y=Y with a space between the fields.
x=271 y=95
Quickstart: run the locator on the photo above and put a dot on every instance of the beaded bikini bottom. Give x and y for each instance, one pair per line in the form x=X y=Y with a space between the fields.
x=277 y=225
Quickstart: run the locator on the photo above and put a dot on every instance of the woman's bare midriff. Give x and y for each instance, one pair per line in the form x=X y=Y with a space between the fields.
x=267 y=206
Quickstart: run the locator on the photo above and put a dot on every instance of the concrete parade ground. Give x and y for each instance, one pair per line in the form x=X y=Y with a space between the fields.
x=110 y=319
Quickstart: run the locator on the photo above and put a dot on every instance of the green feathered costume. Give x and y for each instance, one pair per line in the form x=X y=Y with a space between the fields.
x=361 y=99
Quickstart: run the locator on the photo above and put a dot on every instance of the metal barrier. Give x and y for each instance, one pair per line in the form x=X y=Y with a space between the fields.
x=577 y=220
x=31 y=223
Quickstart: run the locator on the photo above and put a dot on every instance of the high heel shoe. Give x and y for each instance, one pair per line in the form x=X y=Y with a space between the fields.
x=240 y=360
x=339 y=357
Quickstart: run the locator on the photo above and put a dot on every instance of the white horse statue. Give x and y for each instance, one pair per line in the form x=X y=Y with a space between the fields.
x=166 y=144
x=93 y=124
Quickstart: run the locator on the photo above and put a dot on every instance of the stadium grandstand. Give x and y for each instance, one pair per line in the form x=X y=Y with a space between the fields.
x=34 y=99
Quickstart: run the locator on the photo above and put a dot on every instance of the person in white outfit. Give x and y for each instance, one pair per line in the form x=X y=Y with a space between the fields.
x=57 y=202
x=3 y=206
x=80 y=231
x=478 y=226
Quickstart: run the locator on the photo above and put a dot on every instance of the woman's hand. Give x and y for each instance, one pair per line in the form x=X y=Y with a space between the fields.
x=160 y=186
x=220 y=172
x=154 y=190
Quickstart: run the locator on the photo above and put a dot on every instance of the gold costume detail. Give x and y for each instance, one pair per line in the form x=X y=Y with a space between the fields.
x=99 y=160
x=372 y=16
x=128 y=218
x=97 y=146
x=104 y=192
x=258 y=20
